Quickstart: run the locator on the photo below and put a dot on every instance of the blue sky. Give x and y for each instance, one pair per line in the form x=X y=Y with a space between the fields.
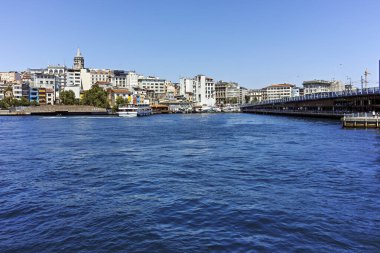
x=252 y=42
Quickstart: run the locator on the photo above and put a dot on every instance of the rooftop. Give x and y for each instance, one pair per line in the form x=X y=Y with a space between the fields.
x=280 y=85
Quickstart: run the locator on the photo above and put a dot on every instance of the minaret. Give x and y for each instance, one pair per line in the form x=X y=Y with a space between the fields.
x=78 y=61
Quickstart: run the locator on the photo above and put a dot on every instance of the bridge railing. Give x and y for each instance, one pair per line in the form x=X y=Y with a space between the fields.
x=317 y=96
x=361 y=115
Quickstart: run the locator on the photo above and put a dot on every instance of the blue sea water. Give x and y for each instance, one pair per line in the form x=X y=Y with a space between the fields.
x=188 y=183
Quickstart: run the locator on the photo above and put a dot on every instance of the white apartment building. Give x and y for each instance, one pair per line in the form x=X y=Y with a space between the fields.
x=17 y=90
x=46 y=81
x=186 y=86
x=59 y=71
x=101 y=75
x=254 y=95
x=119 y=79
x=85 y=78
x=73 y=78
x=296 y=92
x=125 y=79
x=277 y=91
x=243 y=95
x=204 y=91
x=201 y=88
x=319 y=86
x=132 y=79
x=153 y=83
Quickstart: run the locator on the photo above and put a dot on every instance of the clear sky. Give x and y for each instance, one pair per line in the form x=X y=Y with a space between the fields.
x=252 y=42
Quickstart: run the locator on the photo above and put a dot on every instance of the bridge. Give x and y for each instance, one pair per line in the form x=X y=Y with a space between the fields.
x=327 y=104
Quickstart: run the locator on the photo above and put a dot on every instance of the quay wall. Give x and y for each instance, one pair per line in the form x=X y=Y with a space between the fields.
x=55 y=110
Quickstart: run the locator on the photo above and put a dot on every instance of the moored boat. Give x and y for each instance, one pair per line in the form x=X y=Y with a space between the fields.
x=134 y=110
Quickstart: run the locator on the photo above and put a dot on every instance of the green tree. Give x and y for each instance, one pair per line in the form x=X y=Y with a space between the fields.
x=10 y=101
x=120 y=101
x=67 y=97
x=95 y=96
x=34 y=103
x=24 y=102
x=3 y=104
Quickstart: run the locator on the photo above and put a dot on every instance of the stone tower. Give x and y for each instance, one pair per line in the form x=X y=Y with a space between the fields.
x=78 y=60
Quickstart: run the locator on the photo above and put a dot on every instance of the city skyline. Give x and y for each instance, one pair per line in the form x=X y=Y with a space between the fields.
x=253 y=43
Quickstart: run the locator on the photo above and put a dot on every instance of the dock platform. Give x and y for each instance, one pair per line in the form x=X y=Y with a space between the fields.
x=361 y=120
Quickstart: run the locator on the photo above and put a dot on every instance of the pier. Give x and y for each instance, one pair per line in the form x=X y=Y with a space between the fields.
x=361 y=120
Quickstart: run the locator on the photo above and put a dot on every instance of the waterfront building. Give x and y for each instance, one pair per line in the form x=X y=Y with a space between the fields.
x=101 y=75
x=301 y=91
x=253 y=96
x=26 y=77
x=33 y=94
x=46 y=81
x=35 y=71
x=186 y=88
x=204 y=91
x=85 y=79
x=132 y=79
x=243 y=95
x=220 y=93
x=171 y=91
x=277 y=91
x=50 y=99
x=73 y=78
x=226 y=93
x=153 y=83
x=186 y=85
x=42 y=96
x=3 y=87
x=232 y=93
x=201 y=88
x=17 y=90
x=124 y=79
x=59 y=71
x=295 y=91
x=113 y=94
x=229 y=93
x=46 y=96
x=10 y=77
x=25 y=89
x=140 y=96
x=119 y=79
x=319 y=86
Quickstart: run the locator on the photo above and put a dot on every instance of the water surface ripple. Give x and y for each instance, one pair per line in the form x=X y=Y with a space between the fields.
x=188 y=183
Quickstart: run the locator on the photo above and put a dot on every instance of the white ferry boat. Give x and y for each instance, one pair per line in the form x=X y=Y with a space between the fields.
x=135 y=110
